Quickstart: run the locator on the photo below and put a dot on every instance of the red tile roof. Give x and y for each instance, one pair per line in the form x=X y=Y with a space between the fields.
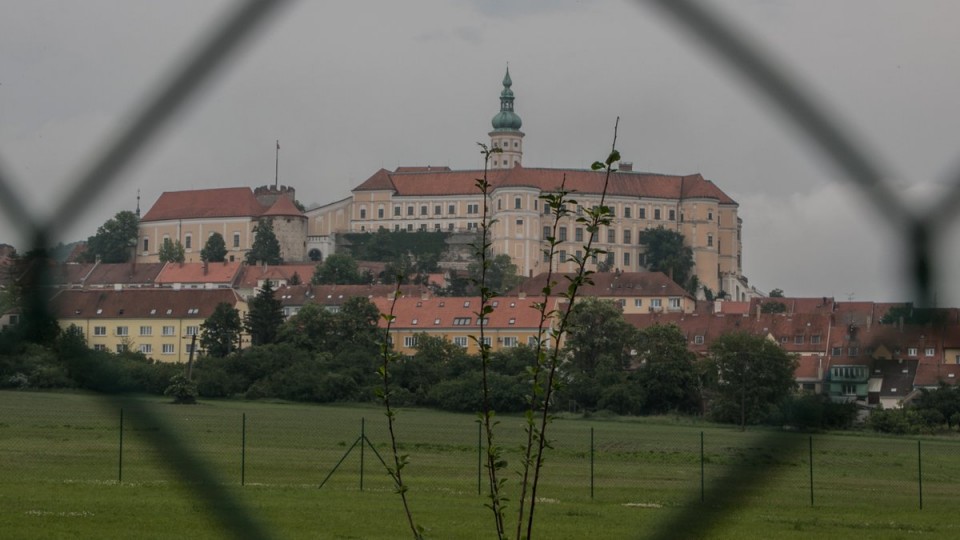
x=140 y=303
x=283 y=207
x=432 y=314
x=220 y=272
x=607 y=284
x=335 y=295
x=204 y=203
x=141 y=274
x=252 y=275
x=417 y=182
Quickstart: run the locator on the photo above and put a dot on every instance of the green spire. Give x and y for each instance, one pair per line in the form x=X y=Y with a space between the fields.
x=506 y=119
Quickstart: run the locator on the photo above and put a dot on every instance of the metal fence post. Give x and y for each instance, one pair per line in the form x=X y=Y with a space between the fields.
x=701 y=468
x=919 y=475
x=363 y=437
x=811 y=470
x=591 y=462
x=120 y=453
x=243 y=451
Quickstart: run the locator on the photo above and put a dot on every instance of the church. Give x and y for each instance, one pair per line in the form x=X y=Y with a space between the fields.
x=445 y=200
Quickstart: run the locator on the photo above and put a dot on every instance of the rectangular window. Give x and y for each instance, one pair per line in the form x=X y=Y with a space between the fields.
x=146 y=330
x=451 y=209
x=436 y=227
x=396 y=211
x=656 y=213
x=236 y=239
x=168 y=348
x=189 y=348
x=423 y=210
x=563 y=234
x=99 y=330
x=853 y=351
x=460 y=341
x=193 y=330
x=655 y=303
x=409 y=227
x=409 y=210
x=815 y=339
x=611 y=235
x=911 y=351
x=487 y=341
x=642 y=213
x=674 y=303
x=626 y=212
x=546 y=232
x=121 y=347
x=672 y=215
x=546 y=256
x=99 y=347
x=188 y=242
x=122 y=331
x=363 y=213
x=410 y=341
x=849 y=389
x=626 y=258
x=628 y=237
x=146 y=348
x=929 y=351
x=578 y=234
x=836 y=351
x=146 y=244
x=437 y=210
x=698 y=340
x=517 y=203
x=638 y=302
x=709 y=240
x=798 y=340
x=509 y=342
x=380 y=213
x=563 y=255
x=169 y=331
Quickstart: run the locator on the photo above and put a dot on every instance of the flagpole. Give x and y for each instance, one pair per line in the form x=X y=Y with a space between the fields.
x=276 y=177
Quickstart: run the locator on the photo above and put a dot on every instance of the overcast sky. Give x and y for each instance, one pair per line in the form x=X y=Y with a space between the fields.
x=351 y=86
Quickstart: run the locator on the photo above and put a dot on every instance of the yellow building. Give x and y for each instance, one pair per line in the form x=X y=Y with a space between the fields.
x=514 y=321
x=441 y=199
x=636 y=292
x=160 y=323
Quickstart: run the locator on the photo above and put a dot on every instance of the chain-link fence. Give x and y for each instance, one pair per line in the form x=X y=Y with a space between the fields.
x=208 y=454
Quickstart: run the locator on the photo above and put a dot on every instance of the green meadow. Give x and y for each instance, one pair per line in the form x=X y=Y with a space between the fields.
x=67 y=471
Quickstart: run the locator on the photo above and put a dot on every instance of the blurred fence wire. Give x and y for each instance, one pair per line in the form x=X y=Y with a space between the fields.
x=917 y=231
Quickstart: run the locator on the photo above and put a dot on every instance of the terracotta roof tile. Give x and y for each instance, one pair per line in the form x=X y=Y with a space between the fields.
x=140 y=303
x=204 y=203
x=608 y=284
x=143 y=274
x=432 y=314
x=283 y=207
x=220 y=272
x=417 y=182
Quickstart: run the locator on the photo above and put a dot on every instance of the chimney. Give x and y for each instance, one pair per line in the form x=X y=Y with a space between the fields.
x=758 y=312
x=626 y=166
x=205 y=268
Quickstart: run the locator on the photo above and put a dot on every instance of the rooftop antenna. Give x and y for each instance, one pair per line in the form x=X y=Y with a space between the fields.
x=276 y=173
x=138 y=203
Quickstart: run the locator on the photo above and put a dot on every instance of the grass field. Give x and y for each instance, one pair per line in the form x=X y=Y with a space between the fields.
x=61 y=475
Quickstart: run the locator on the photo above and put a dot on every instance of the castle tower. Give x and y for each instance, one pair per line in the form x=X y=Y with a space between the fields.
x=506 y=134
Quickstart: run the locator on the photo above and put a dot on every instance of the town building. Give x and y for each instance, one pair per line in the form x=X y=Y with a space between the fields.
x=635 y=292
x=191 y=217
x=160 y=323
x=442 y=199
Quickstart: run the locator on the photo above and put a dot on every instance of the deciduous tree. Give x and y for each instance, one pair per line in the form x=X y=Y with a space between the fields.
x=665 y=252
x=753 y=374
x=171 y=251
x=220 y=333
x=338 y=269
x=667 y=374
x=115 y=239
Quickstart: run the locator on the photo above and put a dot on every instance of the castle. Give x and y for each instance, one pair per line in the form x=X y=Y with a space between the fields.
x=445 y=200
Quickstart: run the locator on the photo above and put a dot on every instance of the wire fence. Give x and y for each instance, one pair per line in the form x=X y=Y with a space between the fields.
x=336 y=448
x=194 y=449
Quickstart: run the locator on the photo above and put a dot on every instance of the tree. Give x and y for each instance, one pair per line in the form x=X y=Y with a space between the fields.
x=265 y=316
x=338 y=269
x=667 y=375
x=501 y=274
x=215 y=249
x=908 y=314
x=115 y=240
x=773 y=307
x=220 y=333
x=171 y=251
x=599 y=339
x=753 y=374
x=665 y=252
x=266 y=247
x=311 y=329
x=776 y=293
